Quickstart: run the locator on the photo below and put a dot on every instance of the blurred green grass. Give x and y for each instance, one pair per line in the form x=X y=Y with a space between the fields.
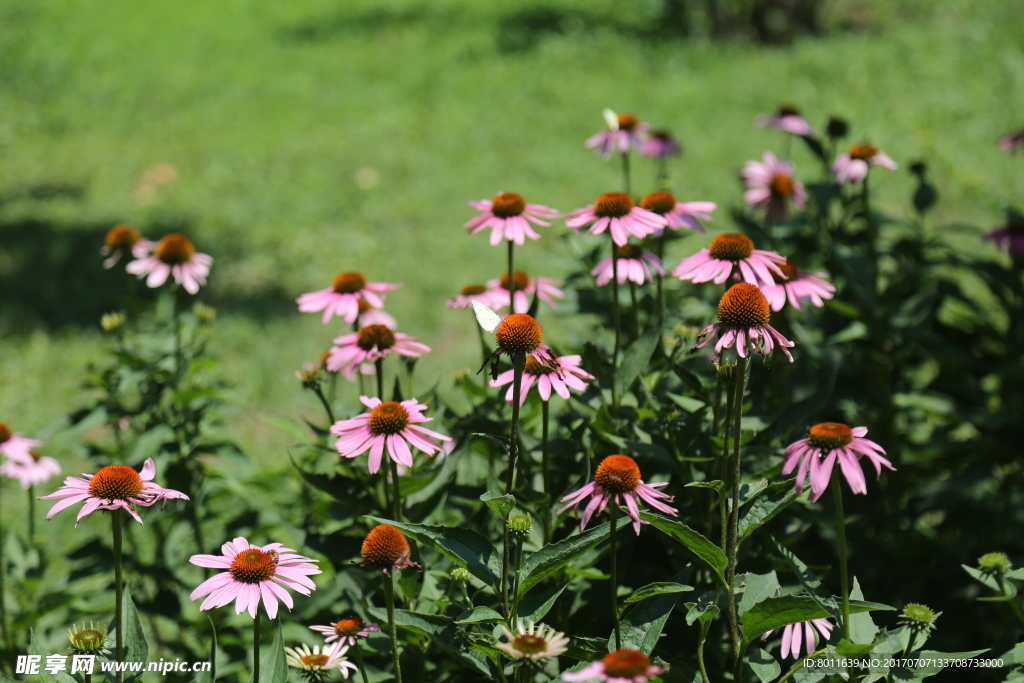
x=269 y=111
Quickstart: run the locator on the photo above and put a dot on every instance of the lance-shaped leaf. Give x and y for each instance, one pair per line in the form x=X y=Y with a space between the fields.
x=634 y=360
x=554 y=556
x=764 y=665
x=692 y=540
x=535 y=607
x=211 y=675
x=653 y=589
x=811 y=583
x=773 y=613
x=500 y=504
x=765 y=506
x=641 y=624
x=464 y=547
x=441 y=629
x=273 y=667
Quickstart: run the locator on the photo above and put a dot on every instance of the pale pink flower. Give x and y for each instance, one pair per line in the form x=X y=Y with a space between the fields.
x=344 y=631
x=621 y=666
x=660 y=144
x=770 y=184
x=37 y=469
x=634 y=264
x=743 y=315
x=344 y=296
x=617 y=481
x=1012 y=142
x=368 y=345
x=852 y=167
x=389 y=423
x=624 y=131
x=469 y=293
x=616 y=212
x=509 y=217
x=678 y=214
x=374 y=316
x=173 y=256
x=313 y=664
x=825 y=443
x=533 y=641
x=788 y=119
x=545 y=288
x=112 y=487
x=798 y=287
x=121 y=240
x=1010 y=235
x=15 y=446
x=793 y=635
x=254 y=574
x=568 y=375
x=731 y=254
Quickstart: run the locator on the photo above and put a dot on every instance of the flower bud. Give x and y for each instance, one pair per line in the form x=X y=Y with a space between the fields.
x=994 y=563
x=460 y=575
x=520 y=524
x=205 y=314
x=88 y=641
x=111 y=322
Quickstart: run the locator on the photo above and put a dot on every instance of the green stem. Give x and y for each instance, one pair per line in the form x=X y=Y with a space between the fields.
x=723 y=476
x=800 y=664
x=256 y=647
x=661 y=282
x=31 y=515
x=704 y=626
x=176 y=321
x=1016 y=610
x=733 y=545
x=380 y=378
x=115 y=520
x=518 y=363
x=389 y=598
x=844 y=579
x=515 y=581
x=506 y=558
x=396 y=500
x=326 y=404
x=618 y=325
x=636 y=310
x=625 y=174
x=359 y=662
x=545 y=411
x=511 y=280
x=483 y=346
x=615 y=576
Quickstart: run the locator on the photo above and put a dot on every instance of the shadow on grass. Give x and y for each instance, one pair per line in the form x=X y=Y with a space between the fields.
x=52 y=277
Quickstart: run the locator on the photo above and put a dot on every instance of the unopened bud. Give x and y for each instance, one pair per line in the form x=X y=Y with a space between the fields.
x=460 y=575
x=994 y=563
x=520 y=524
x=111 y=322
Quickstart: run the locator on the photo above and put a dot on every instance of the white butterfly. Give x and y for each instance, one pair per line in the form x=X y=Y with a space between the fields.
x=487 y=318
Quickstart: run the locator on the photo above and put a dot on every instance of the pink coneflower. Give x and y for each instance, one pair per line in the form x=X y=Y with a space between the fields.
x=37 y=469
x=624 y=131
x=793 y=635
x=1012 y=142
x=254 y=574
x=770 y=184
x=470 y=292
x=517 y=333
x=634 y=264
x=615 y=211
x=743 y=315
x=389 y=423
x=509 y=217
x=660 y=145
x=121 y=240
x=533 y=641
x=15 y=446
x=617 y=481
x=368 y=315
x=825 y=443
x=568 y=375
x=345 y=631
x=1010 y=235
x=174 y=255
x=731 y=254
x=798 y=287
x=343 y=296
x=112 y=487
x=386 y=549
x=545 y=288
x=314 y=665
x=788 y=119
x=852 y=167
x=678 y=214
x=621 y=666
x=368 y=345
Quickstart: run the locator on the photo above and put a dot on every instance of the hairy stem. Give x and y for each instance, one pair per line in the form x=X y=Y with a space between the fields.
x=359 y=661
x=115 y=520
x=732 y=544
x=256 y=647
x=614 y=511
x=389 y=598
x=618 y=326
x=844 y=579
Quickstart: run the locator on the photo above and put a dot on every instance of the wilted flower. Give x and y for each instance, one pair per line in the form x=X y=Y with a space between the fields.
x=743 y=316
x=253 y=574
x=798 y=287
x=770 y=184
x=112 y=487
x=509 y=217
x=678 y=214
x=731 y=254
x=787 y=119
x=174 y=255
x=621 y=666
x=852 y=167
x=386 y=549
x=624 y=131
x=533 y=641
x=616 y=212
x=36 y=469
x=567 y=375
x=343 y=296
x=825 y=443
x=617 y=481
x=389 y=423
x=795 y=635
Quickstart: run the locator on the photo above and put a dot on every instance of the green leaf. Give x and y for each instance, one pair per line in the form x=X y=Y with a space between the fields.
x=464 y=547
x=586 y=649
x=750 y=491
x=776 y=612
x=440 y=629
x=703 y=609
x=715 y=485
x=756 y=587
x=653 y=589
x=554 y=556
x=692 y=540
x=501 y=504
x=211 y=675
x=480 y=615
x=847 y=649
x=1013 y=657
x=1008 y=589
x=500 y=440
x=136 y=647
x=809 y=581
x=34 y=648
x=273 y=668
x=930 y=669
x=634 y=360
x=641 y=624
x=535 y=607
x=862 y=627
x=690 y=405
x=764 y=665
x=768 y=503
